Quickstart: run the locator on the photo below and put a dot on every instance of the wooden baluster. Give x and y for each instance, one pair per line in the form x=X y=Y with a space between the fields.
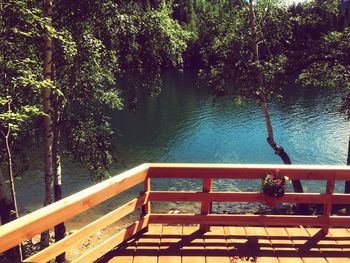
x=146 y=208
x=206 y=204
x=327 y=207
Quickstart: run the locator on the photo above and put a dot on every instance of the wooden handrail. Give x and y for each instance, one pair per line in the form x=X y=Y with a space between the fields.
x=113 y=241
x=62 y=245
x=247 y=171
x=27 y=226
x=208 y=172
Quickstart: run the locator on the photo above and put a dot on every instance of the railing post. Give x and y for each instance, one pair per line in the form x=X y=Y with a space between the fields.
x=327 y=207
x=146 y=208
x=206 y=204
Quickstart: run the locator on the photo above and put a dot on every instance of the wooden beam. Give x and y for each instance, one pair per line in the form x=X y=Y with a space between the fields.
x=260 y=220
x=248 y=171
x=146 y=209
x=327 y=208
x=312 y=198
x=34 y=223
x=206 y=202
x=113 y=241
x=339 y=221
x=90 y=229
x=343 y=199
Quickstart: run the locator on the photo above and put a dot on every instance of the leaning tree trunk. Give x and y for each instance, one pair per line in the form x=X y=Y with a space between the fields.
x=263 y=103
x=60 y=230
x=45 y=236
x=297 y=186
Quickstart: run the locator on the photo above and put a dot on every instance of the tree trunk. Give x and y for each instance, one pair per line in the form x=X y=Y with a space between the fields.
x=10 y=174
x=297 y=186
x=6 y=208
x=45 y=236
x=263 y=103
x=60 y=230
x=347 y=183
x=15 y=253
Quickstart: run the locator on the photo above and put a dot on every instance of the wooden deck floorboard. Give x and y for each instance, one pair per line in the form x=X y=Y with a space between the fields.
x=186 y=244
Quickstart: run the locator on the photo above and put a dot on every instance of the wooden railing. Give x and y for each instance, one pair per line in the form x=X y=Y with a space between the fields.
x=32 y=224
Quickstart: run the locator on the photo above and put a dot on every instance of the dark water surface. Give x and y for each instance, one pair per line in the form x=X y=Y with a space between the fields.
x=183 y=124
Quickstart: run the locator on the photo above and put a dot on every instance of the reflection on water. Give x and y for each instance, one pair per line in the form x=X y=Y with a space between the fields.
x=183 y=124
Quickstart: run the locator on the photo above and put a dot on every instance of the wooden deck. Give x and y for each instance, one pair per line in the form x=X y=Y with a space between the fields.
x=281 y=243
x=228 y=244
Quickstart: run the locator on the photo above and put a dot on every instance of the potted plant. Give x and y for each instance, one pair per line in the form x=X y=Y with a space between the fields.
x=273 y=186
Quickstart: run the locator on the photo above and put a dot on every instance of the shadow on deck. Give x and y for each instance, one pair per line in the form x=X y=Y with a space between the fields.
x=187 y=244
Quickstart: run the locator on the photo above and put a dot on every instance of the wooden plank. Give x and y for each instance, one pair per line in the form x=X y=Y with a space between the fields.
x=258 y=239
x=147 y=246
x=34 y=223
x=192 y=245
x=170 y=244
x=206 y=203
x=146 y=209
x=214 y=219
x=342 y=238
x=311 y=198
x=112 y=242
x=282 y=245
x=328 y=247
x=247 y=171
x=300 y=238
x=124 y=254
x=216 y=249
x=339 y=221
x=341 y=199
x=62 y=245
x=237 y=243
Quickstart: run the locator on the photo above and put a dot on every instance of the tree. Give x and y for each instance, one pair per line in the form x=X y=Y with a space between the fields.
x=246 y=61
x=326 y=62
x=19 y=86
x=48 y=135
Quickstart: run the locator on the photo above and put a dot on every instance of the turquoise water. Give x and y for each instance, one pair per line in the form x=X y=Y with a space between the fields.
x=183 y=124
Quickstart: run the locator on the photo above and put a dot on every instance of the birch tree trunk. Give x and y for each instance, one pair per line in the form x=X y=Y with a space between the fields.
x=262 y=99
x=297 y=186
x=45 y=236
x=8 y=206
x=60 y=229
x=11 y=207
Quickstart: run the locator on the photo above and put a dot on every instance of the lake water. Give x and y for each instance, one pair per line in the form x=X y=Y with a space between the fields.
x=183 y=124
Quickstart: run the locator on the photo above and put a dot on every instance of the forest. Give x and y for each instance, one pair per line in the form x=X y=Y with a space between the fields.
x=61 y=62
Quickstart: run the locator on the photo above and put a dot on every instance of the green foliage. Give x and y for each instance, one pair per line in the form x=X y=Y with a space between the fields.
x=99 y=43
x=135 y=39
x=329 y=62
x=21 y=82
x=227 y=43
